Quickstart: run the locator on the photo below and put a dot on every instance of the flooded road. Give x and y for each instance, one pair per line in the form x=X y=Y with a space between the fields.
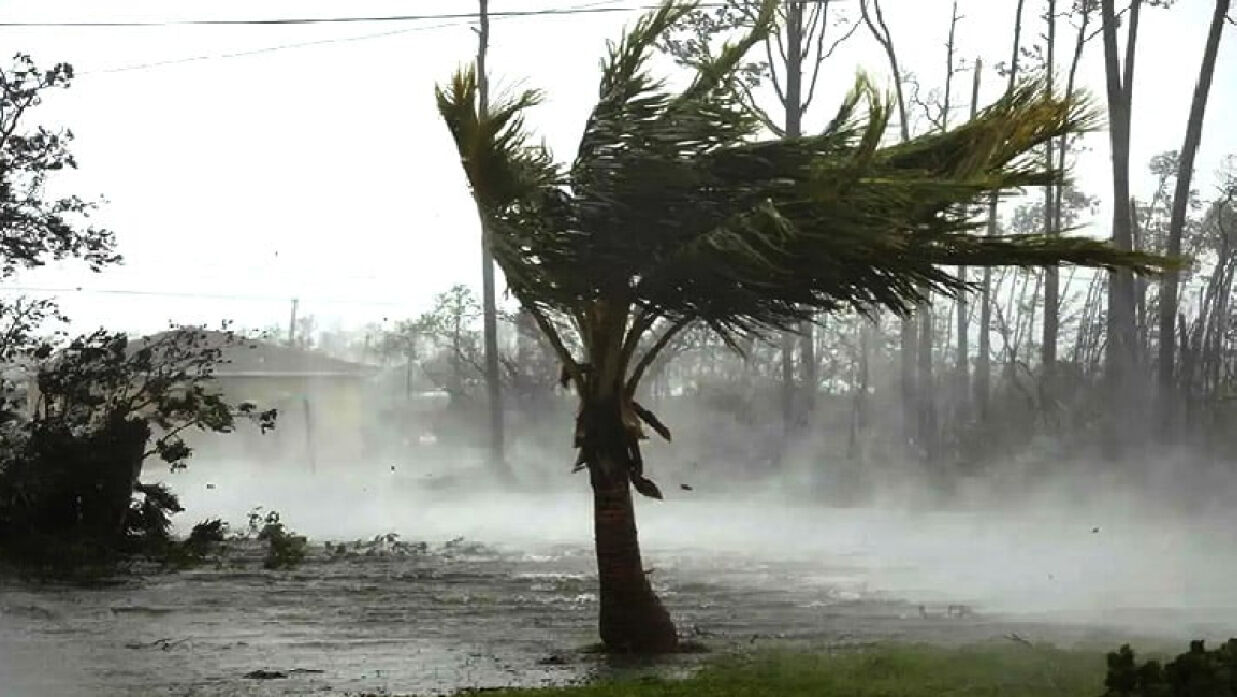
x=516 y=605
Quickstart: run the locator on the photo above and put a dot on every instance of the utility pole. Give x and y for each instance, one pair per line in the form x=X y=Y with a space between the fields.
x=292 y=324
x=489 y=306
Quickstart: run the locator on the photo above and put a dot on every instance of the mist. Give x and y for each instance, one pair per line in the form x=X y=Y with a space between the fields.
x=1138 y=545
x=739 y=376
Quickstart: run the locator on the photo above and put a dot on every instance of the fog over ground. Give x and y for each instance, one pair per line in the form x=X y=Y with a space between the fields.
x=1144 y=546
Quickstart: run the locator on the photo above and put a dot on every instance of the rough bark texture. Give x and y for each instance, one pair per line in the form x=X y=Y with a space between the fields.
x=632 y=620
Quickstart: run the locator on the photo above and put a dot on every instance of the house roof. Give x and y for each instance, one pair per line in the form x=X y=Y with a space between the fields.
x=243 y=357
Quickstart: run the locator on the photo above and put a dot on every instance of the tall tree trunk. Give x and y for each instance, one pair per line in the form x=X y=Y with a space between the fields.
x=457 y=358
x=633 y=619
x=1052 y=278
x=498 y=460
x=1142 y=326
x=859 y=415
x=963 y=387
x=1121 y=356
x=908 y=339
x=1080 y=43
x=1181 y=197
x=929 y=433
x=808 y=373
x=792 y=399
x=924 y=392
x=908 y=334
x=983 y=366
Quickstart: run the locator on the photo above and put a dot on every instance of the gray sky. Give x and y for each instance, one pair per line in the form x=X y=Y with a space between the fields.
x=323 y=172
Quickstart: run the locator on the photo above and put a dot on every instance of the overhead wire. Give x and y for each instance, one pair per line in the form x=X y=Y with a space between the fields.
x=303 y=21
x=206 y=296
x=262 y=50
x=599 y=7
x=318 y=42
x=249 y=52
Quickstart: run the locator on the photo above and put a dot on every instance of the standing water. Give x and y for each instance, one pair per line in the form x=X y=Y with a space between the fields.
x=504 y=591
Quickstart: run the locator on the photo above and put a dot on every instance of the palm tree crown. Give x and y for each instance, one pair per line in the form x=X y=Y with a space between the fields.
x=675 y=210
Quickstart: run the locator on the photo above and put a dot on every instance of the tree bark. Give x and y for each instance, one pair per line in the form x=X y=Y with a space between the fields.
x=963 y=387
x=908 y=334
x=983 y=364
x=796 y=397
x=632 y=619
x=859 y=412
x=1052 y=278
x=926 y=427
x=1121 y=355
x=1181 y=198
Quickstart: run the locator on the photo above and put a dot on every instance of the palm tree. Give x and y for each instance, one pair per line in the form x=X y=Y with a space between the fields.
x=674 y=214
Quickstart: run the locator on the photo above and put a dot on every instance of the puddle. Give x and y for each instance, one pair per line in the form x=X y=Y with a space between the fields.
x=464 y=615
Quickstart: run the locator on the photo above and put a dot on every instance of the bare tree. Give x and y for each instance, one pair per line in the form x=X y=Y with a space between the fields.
x=874 y=20
x=1052 y=278
x=806 y=35
x=1181 y=197
x=1084 y=9
x=962 y=305
x=927 y=418
x=983 y=364
x=1121 y=352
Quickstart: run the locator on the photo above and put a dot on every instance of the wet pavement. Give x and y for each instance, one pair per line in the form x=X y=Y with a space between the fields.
x=518 y=612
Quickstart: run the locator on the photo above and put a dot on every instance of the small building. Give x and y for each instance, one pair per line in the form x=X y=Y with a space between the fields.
x=322 y=403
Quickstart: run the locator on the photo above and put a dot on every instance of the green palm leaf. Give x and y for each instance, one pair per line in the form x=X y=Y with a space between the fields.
x=673 y=206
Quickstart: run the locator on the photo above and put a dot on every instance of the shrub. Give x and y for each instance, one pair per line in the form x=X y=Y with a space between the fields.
x=1195 y=673
x=284 y=549
x=70 y=489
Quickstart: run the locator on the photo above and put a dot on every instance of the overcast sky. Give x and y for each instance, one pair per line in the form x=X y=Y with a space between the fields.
x=323 y=172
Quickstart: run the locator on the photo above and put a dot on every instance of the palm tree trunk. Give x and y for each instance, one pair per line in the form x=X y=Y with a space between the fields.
x=633 y=620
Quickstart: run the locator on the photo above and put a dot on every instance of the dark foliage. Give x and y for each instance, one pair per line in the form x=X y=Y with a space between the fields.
x=285 y=550
x=34 y=228
x=1195 y=673
x=70 y=489
x=78 y=418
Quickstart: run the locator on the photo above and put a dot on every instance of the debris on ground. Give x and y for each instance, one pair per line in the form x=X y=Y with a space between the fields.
x=165 y=644
x=266 y=675
x=554 y=659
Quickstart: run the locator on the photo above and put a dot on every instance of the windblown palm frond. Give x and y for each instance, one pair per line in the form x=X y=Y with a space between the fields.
x=517 y=188
x=673 y=205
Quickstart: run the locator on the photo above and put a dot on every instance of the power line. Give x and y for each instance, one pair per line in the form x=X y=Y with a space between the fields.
x=205 y=296
x=308 y=21
x=304 y=44
x=264 y=49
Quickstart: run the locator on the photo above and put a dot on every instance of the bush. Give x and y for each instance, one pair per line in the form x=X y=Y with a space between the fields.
x=1195 y=673
x=70 y=489
x=285 y=550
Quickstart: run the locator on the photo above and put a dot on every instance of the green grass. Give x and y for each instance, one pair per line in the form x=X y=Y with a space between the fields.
x=1007 y=669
